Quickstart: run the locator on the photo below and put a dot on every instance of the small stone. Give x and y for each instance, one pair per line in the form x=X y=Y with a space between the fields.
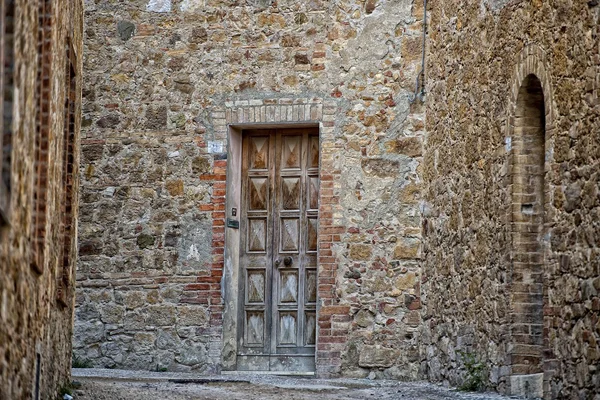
x=360 y=252
x=112 y=314
x=364 y=318
x=301 y=59
x=572 y=197
x=406 y=281
x=161 y=315
x=377 y=356
x=144 y=241
x=408 y=146
x=407 y=248
x=175 y=188
x=191 y=316
x=370 y=6
x=108 y=121
x=199 y=35
x=156 y=117
x=134 y=299
x=90 y=247
x=191 y=354
x=125 y=30
x=200 y=165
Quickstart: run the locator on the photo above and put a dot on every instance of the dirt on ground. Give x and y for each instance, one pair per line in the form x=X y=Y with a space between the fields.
x=260 y=387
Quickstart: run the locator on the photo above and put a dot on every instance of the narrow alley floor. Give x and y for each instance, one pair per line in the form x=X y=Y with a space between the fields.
x=98 y=384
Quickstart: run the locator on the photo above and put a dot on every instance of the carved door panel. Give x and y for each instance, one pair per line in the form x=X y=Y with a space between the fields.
x=279 y=250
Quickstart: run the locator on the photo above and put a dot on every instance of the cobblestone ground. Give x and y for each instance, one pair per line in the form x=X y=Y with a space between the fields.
x=133 y=385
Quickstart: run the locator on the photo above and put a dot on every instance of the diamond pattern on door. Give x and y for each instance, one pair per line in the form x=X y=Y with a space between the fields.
x=255 y=328
x=278 y=257
x=259 y=152
x=287 y=328
x=289 y=235
x=288 y=291
x=290 y=193
x=291 y=150
x=256 y=286
x=257 y=235
x=258 y=188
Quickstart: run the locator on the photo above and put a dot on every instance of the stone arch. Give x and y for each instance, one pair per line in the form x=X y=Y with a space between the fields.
x=531 y=122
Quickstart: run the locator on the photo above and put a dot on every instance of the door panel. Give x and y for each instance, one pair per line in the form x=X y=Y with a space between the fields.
x=257 y=243
x=279 y=260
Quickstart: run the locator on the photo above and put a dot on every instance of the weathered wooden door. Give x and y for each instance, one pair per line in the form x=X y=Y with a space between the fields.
x=278 y=257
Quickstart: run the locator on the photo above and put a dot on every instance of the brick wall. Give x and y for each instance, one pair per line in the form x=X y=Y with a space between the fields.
x=36 y=308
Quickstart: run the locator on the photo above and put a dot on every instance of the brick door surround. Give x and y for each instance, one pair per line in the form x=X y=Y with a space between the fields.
x=283 y=113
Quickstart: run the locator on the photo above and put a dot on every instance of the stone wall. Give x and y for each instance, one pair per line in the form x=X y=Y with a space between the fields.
x=161 y=79
x=500 y=249
x=37 y=239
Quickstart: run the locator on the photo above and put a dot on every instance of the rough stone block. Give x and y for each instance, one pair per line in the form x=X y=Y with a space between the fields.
x=377 y=356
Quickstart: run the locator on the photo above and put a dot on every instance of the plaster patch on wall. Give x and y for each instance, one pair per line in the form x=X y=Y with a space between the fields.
x=494 y=5
x=160 y=6
x=193 y=253
x=191 y=5
x=215 y=147
x=195 y=248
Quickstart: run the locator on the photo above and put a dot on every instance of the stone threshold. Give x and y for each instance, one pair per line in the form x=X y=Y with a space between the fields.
x=277 y=373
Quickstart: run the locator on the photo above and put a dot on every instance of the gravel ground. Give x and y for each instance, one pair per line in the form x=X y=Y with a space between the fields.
x=135 y=385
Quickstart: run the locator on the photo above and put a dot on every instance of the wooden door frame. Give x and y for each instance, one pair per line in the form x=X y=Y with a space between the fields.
x=231 y=273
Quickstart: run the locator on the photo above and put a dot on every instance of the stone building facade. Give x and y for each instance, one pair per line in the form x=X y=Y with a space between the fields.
x=476 y=238
x=167 y=86
x=41 y=81
x=511 y=233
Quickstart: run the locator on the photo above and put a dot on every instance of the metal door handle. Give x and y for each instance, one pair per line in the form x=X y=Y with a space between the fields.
x=287 y=261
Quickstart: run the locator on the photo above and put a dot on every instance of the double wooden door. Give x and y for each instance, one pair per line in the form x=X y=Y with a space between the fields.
x=278 y=257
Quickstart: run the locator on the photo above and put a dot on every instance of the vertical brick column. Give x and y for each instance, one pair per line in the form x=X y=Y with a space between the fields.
x=334 y=319
x=531 y=129
x=217 y=201
x=528 y=228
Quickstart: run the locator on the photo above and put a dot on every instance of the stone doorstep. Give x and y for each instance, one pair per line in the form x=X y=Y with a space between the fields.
x=190 y=378
x=276 y=373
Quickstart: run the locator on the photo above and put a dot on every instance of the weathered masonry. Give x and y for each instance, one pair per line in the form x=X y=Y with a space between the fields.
x=250 y=182
x=40 y=82
x=511 y=238
x=262 y=190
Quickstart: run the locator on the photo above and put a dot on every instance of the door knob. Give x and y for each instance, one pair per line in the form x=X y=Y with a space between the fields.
x=277 y=262
x=288 y=261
